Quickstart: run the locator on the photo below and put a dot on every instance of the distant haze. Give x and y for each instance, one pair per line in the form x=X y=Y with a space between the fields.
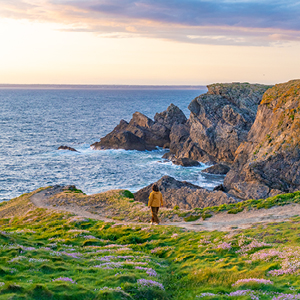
x=101 y=87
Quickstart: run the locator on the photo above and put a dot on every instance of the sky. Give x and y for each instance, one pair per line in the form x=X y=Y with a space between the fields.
x=159 y=42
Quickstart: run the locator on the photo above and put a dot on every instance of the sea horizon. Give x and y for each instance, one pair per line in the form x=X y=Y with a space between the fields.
x=100 y=86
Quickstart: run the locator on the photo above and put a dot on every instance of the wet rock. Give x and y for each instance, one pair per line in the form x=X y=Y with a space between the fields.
x=219 y=188
x=183 y=161
x=67 y=148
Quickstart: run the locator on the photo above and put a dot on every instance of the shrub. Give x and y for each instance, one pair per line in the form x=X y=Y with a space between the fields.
x=191 y=218
x=235 y=210
x=127 y=194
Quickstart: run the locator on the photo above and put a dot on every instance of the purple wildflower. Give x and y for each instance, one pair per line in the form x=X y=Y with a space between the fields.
x=149 y=283
x=158 y=249
x=286 y=297
x=73 y=255
x=251 y=280
x=224 y=246
x=282 y=272
x=66 y=279
x=151 y=272
x=243 y=293
x=205 y=295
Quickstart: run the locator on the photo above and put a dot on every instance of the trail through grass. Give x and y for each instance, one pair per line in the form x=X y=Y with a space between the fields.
x=50 y=255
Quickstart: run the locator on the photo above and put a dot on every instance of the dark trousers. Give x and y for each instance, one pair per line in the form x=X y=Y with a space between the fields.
x=154 y=214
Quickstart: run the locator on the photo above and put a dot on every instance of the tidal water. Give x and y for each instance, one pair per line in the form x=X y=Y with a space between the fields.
x=34 y=123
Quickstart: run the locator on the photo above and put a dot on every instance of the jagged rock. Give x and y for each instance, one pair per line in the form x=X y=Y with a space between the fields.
x=178 y=136
x=219 y=122
x=249 y=190
x=141 y=133
x=67 y=148
x=184 y=194
x=269 y=161
x=185 y=162
x=219 y=188
x=217 y=169
x=173 y=115
x=122 y=140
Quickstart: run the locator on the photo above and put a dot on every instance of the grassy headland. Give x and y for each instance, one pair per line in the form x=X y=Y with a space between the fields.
x=49 y=255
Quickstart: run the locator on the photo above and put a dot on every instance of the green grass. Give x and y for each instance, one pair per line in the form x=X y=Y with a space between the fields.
x=98 y=260
x=192 y=218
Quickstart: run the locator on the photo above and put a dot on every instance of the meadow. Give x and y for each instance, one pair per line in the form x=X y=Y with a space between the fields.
x=45 y=254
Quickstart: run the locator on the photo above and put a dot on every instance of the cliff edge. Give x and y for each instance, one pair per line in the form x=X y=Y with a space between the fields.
x=268 y=163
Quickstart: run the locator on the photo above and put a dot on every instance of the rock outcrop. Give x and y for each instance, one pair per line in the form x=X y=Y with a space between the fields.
x=219 y=122
x=218 y=169
x=184 y=194
x=67 y=148
x=183 y=161
x=268 y=163
x=141 y=133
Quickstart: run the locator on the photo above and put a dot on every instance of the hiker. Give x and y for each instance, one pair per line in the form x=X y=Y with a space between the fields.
x=155 y=201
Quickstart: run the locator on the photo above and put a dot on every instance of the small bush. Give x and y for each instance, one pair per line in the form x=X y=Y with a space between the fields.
x=235 y=210
x=206 y=216
x=191 y=218
x=127 y=194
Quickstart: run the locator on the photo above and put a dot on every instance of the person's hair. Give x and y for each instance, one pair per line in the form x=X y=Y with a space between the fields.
x=155 y=187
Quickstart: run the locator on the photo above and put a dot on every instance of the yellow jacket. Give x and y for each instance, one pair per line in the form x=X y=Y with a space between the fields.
x=155 y=199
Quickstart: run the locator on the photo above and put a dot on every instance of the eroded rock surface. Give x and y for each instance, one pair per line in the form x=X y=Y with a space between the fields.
x=268 y=163
x=219 y=122
x=218 y=169
x=184 y=194
x=142 y=133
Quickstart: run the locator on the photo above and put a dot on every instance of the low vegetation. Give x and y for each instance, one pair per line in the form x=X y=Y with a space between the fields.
x=50 y=255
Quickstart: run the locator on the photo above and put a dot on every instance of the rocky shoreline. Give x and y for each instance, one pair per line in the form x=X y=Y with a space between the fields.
x=247 y=131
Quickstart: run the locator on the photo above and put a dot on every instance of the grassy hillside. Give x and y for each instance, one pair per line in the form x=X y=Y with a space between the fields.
x=50 y=255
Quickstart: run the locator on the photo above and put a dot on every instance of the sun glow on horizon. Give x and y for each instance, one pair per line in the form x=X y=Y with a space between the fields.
x=34 y=52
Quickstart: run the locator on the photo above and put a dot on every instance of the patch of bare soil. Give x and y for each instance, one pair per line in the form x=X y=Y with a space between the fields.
x=223 y=221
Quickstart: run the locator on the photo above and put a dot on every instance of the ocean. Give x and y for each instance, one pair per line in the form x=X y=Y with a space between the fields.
x=35 y=122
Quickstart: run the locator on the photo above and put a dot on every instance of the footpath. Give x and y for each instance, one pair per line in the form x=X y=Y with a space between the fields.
x=221 y=221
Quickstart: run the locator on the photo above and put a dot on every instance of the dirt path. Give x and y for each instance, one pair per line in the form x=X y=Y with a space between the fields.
x=221 y=221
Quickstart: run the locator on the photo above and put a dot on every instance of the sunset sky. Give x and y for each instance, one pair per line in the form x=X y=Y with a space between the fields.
x=149 y=41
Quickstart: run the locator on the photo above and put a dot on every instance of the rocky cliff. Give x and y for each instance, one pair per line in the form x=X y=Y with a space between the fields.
x=269 y=161
x=142 y=133
x=219 y=122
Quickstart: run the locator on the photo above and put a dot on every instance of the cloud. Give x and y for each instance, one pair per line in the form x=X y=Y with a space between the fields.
x=239 y=22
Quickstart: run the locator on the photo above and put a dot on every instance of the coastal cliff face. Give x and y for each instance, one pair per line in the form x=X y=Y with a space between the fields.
x=269 y=161
x=142 y=133
x=219 y=122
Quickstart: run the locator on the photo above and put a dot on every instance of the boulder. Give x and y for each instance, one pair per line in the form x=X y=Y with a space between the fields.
x=218 y=169
x=67 y=148
x=142 y=133
x=183 y=161
x=269 y=161
x=184 y=194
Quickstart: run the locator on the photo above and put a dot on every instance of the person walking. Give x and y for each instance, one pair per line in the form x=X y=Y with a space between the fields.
x=155 y=202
